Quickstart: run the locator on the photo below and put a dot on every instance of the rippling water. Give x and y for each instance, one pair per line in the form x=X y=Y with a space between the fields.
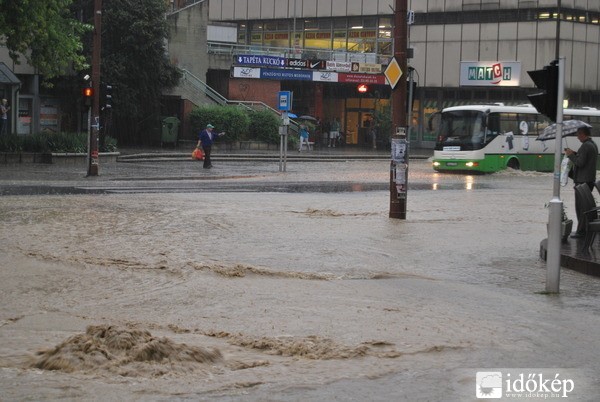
x=302 y=293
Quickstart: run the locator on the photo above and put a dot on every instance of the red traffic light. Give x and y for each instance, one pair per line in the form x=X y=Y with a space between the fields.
x=88 y=92
x=362 y=88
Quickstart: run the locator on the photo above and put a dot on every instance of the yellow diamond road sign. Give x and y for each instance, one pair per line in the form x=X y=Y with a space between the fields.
x=393 y=72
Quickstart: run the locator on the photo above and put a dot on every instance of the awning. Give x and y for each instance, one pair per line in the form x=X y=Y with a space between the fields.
x=7 y=77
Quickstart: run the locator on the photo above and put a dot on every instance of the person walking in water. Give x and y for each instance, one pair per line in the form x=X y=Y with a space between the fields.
x=334 y=133
x=206 y=139
x=303 y=137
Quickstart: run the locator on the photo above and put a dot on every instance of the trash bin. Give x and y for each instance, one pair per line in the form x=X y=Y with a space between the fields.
x=170 y=129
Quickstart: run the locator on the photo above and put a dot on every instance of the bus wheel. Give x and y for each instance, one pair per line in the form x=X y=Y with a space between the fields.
x=513 y=164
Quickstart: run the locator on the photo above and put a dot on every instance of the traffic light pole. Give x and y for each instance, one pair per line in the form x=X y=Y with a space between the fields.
x=556 y=204
x=95 y=120
x=398 y=185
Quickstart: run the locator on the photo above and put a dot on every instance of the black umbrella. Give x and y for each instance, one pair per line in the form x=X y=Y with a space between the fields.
x=307 y=117
x=570 y=127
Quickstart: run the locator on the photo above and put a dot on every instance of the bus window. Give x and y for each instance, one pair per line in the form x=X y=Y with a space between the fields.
x=461 y=128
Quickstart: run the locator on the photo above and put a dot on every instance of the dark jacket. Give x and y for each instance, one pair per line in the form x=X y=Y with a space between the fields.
x=584 y=162
x=206 y=139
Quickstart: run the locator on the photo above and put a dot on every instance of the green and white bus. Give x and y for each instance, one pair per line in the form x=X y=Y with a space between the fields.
x=489 y=138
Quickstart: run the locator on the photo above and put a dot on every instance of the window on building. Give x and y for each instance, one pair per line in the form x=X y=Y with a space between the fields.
x=277 y=34
x=317 y=39
x=339 y=40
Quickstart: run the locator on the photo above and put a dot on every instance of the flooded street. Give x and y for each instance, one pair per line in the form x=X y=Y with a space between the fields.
x=245 y=283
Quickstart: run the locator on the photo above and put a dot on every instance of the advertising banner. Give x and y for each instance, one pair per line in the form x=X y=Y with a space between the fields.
x=325 y=76
x=246 y=72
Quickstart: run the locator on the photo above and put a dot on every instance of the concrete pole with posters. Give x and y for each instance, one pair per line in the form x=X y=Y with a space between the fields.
x=95 y=123
x=398 y=200
x=556 y=204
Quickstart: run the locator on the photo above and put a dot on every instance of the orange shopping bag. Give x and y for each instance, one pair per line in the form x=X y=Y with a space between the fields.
x=197 y=154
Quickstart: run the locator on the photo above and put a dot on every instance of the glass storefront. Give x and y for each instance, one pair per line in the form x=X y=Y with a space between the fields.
x=356 y=34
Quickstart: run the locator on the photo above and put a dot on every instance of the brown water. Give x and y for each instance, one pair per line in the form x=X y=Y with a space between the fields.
x=275 y=296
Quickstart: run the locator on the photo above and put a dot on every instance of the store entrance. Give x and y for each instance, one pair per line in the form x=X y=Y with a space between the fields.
x=358 y=123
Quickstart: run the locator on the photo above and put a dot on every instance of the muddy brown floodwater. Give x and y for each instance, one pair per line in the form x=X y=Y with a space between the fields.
x=278 y=296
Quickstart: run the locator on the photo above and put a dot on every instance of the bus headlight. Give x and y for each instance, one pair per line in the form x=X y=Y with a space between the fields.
x=472 y=164
x=436 y=164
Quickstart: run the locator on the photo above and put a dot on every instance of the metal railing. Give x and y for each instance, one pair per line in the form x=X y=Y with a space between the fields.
x=196 y=85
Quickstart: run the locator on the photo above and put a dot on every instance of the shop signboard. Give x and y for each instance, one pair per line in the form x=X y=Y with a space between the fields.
x=341 y=66
x=297 y=63
x=490 y=73
x=362 y=78
x=372 y=68
x=260 y=60
x=281 y=74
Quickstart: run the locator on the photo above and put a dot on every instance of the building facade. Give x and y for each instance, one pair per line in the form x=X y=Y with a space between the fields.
x=450 y=40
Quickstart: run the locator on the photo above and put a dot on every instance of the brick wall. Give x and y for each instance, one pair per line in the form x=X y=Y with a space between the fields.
x=254 y=90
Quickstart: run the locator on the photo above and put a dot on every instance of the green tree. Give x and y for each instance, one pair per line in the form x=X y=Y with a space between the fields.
x=135 y=63
x=45 y=33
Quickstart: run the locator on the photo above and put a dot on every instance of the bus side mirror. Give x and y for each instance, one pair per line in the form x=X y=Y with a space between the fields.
x=484 y=121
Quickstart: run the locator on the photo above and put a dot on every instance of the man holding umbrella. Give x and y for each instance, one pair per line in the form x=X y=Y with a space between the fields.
x=584 y=170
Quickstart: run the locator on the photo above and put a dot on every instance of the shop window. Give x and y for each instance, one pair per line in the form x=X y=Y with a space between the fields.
x=369 y=23
x=385 y=33
x=311 y=24
x=297 y=40
x=339 y=40
x=385 y=48
x=277 y=39
x=355 y=23
x=385 y=23
x=256 y=38
x=325 y=24
x=318 y=39
x=339 y=23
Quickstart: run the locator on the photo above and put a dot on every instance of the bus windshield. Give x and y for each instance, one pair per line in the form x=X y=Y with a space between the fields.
x=461 y=130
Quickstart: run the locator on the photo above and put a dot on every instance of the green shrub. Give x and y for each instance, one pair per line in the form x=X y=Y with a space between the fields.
x=231 y=119
x=110 y=144
x=10 y=143
x=67 y=142
x=52 y=142
x=35 y=143
x=264 y=126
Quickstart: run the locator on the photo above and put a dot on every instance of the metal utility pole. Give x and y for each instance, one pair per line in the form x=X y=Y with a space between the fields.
x=399 y=139
x=556 y=204
x=557 y=52
x=95 y=121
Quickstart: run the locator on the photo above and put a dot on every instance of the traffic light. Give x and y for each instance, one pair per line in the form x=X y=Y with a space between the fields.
x=108 y=96
x=545 y=102
x=88 y=95
x=362 y=88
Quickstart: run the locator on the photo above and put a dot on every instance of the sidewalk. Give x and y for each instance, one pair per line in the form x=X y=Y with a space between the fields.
x=318 y=153
x=573 y=258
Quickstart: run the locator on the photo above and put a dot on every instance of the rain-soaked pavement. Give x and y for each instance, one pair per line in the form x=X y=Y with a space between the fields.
x=299 y=279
